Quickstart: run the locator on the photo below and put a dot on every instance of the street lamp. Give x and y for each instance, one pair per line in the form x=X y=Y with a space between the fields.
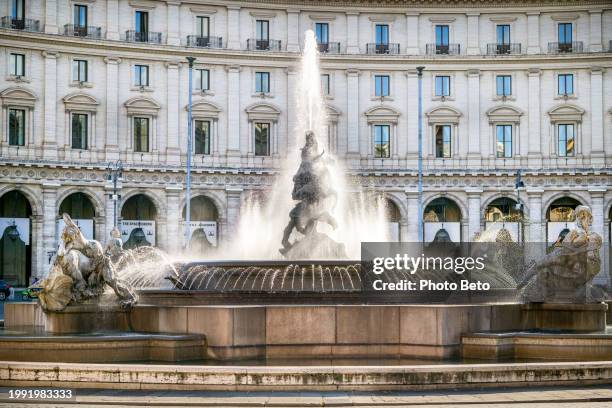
x=190 y=60
x=114 y=174
x=420 y=158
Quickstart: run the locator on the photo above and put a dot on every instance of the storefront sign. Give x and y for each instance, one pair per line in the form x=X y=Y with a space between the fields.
x=22 y=224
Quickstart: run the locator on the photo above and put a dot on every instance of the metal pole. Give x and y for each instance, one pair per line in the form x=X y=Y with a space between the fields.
x=420 y=158
x=189 y=136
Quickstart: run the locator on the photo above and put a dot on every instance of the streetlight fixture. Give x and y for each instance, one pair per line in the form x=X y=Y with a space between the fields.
x=420 y=158
x=190 y=60
x=114 y=174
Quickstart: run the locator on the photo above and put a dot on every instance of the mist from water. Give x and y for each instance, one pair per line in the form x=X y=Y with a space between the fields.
x=361 y=216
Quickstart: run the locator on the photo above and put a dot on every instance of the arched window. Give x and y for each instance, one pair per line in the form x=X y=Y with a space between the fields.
x=138 y=222
x=15 y=239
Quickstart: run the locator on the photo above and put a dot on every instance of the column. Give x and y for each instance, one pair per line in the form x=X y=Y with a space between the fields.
x=233 y=27
x=412 y=30
x=112 y=20
x=352 y=32
x=534 y=137
x=535 y=227
x=234 y=202
x=112 y=108
x=533 y=32
x=51 y=17
x=49 y=137
x=474 y=150
x=595 y=37
x=412 y=118
x=291 y=110
x=597 y=112
x=473 y=46
x=39 y=261
x=352 y=115
x=293 y=30
x=597 y=210
x=174 y=113
x=109 y=210
x=49 y=229
x=474 y=220
x=174 y=227
x=233 y=115
x=412 y=233
x=174 y=22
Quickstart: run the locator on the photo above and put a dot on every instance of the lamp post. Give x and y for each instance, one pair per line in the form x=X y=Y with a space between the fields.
x=190 y=60
x=420 y=157
x=114 y=173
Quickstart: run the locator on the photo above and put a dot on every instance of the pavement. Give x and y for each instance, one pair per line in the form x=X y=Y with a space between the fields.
x=557 y=397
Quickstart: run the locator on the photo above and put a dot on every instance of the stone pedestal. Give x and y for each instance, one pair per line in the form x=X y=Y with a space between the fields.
x=572 y=317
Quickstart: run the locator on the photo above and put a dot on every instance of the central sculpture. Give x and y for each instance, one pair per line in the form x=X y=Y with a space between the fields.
x=312 y=188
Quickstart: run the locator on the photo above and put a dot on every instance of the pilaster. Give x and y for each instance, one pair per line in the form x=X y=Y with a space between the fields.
x=173 y=17
x=233 y=27
x=534 y=140
x=412 y=216
x=50 y=208
x=533 y=32
x=50 y=137
x=412 y=30
x=473 y=46
x=595 y=43
x=352 y=32
x=353 y=148
x=173 y=111
x=474 y=145
x=234 y=202
x=293 y=30
x=598 y=157
x=174 y=219
x=233 y=115
x=112 y=108
x=112 y=20
x=474 y=219
x=51 y=17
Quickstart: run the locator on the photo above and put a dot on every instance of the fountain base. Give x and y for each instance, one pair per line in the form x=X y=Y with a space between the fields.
x=316 y=245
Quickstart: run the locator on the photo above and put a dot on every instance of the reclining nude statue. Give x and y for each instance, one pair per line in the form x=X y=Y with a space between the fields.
x=81 y=270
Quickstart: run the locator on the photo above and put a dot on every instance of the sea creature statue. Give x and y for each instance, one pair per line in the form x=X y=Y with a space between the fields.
x=564 y=275
x=312 y=188
x=81 y=270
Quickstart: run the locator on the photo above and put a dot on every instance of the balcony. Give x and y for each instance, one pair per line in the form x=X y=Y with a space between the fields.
x=204 y=42
x=26 y=24
x=391 y=48
x=72 y=30
x=329 y=48
x=503 y=49
x=254 y=44
x=449 y=49
x=562 y=48
x=143 y=37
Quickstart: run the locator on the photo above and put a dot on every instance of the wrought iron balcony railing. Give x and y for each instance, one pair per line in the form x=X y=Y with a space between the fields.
x=26 y=24
x=204 y=42
x=560 y=48
x=254 y=44
x=503 y=49
x=374 y=48
x=143 y=36
x=329 y=47
x=449 y=49
x=72 y=30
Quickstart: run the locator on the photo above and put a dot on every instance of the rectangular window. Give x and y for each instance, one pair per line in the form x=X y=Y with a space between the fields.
x=262 y=30
x=17 y=127
x=503 y=34
x=565 y=33
x=442 y=35
x=565 y=84
x=202 y=137
x=79 y=131
x=141 y=24
x=504 y=140
x=203 y=26
x=17 y=62
x=381 y=85
x=18 y=9
x=504 y=85
x=322 y=32
x=442 y=86
x=141 y=134
x=262 y=139
x=202 y=82
x=80 y=16
x=262 y=82
x=79 y=70
x=141 y=75
x=325 y=84
x=382 y=34
x=566 y=139
x=443 y=141
x=382 y=141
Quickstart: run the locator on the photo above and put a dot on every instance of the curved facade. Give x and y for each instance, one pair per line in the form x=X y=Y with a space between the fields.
x=506 y=86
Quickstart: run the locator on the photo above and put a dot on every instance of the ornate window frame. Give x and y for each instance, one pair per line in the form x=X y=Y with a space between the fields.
x=383 y=115
x=207 y=111
x=443 y=115
x=565 y=114
x=505 y=115
x=80 y=103
x=18 y=98
x=264 y=113
x=142 y=107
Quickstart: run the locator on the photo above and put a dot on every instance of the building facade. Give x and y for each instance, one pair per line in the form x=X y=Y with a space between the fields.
x=507 y=86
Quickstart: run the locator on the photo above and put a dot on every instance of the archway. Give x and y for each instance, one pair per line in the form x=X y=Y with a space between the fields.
x=138 y=215
x=506 y=213
x=393 y=217
x=560 y=218
x=442 y=221
x=15 y=239
x=82 y=211
x=203 y=220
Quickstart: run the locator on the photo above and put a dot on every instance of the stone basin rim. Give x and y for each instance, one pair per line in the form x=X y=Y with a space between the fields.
x=273 y=262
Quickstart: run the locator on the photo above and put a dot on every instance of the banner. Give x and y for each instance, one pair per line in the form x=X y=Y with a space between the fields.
x=209 y=228
x=452 y=228
x=22 y=224
x=86 y=227
x=514 y=228
x=148 y=227
x=554 y=229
